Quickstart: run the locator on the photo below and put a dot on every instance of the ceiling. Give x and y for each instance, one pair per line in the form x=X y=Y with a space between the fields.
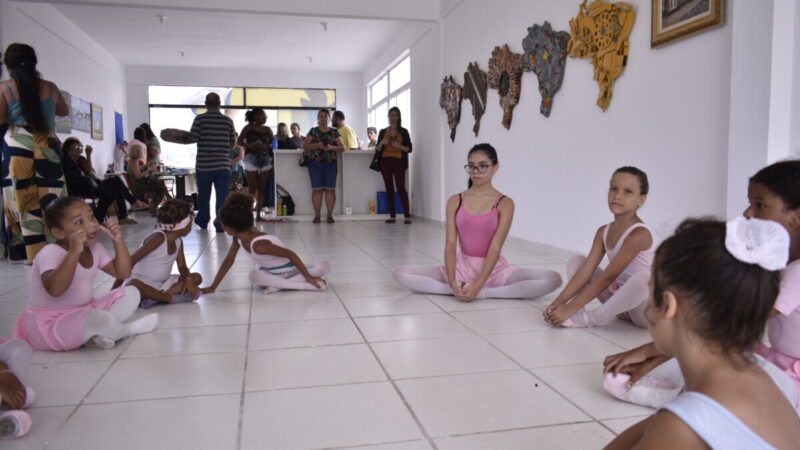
x=219 y=39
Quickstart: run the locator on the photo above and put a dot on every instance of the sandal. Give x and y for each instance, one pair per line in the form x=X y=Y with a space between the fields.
x=316 y=220
x=392 y=220
x=330 y=220
x=407 y=221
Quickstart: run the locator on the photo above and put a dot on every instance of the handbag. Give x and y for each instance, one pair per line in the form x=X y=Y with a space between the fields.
x=376 y=161
x=304 y=159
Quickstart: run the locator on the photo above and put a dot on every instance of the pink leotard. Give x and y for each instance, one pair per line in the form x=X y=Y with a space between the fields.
x=475 y=234
x=475 y=231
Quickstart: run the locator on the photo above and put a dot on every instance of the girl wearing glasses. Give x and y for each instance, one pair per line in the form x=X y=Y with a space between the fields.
x=479 y=220
x=622 y=287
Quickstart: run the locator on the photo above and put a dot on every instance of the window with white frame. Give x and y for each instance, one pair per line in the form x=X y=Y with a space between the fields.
x=391 y=88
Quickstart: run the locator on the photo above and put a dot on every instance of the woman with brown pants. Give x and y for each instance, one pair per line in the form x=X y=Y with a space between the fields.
x=394 y=144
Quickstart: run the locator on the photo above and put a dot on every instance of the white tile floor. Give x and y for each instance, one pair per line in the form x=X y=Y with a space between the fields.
x=364 y=365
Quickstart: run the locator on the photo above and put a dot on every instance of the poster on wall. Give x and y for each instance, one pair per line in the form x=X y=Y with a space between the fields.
x=81 y=115
x=97 y=122
x=119 y=131
x=674 y=20
x=64 y=123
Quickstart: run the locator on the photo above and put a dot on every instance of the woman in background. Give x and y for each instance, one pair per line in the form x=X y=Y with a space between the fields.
x=31 y=151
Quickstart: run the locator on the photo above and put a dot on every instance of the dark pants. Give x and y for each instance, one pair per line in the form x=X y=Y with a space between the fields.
x=394 y=174
x=269 y=195
x=219 y=179
x=110 y=190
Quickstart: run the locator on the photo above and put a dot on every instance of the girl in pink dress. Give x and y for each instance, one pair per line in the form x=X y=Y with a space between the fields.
x=622 y=286
x=278 y=267
x=63 y=313
x=153 y=262
x=478 y=220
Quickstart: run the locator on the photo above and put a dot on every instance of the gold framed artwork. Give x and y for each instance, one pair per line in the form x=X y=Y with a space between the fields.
x=97 y=122
x=674 y=20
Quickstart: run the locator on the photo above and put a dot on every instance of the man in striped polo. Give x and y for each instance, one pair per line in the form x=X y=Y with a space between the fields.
x=214 y=134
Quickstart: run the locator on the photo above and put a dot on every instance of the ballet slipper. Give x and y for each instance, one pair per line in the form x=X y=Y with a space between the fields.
x=616 y=384
x=14 y=424
x=580 y=319
x=147 y=303
x=100 y=342
x=270 y=290
x=184 y=297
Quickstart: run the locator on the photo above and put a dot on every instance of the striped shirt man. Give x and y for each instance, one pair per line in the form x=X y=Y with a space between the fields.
x=214 y=133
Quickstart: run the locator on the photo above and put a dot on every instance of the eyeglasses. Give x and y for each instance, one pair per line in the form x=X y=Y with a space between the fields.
x=480 y=168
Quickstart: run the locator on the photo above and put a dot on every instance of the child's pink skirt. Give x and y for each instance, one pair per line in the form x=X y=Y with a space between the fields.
x=469 y=268
x=61 y=329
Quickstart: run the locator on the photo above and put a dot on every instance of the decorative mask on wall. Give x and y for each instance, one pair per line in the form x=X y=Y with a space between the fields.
x=450 y=100
x=546 y=55
x=600 y=32
x=505 y=75
x=475 y=91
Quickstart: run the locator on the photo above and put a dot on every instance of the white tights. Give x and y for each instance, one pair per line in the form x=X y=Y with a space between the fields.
x=296 y=282
x=17 y=354
x=112 y=324
x=523 y=283
x=631 y=298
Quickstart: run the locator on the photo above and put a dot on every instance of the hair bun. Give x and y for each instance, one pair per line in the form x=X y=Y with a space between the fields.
x=46 y=200
x=240 y=200
x=755 y=241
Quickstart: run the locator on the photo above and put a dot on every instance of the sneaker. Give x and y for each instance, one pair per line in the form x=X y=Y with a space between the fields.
x=14 y=424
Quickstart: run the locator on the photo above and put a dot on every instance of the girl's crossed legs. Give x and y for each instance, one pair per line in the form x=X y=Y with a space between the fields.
x=523 y=283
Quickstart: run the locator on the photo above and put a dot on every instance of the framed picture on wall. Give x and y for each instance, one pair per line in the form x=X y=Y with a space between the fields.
x=674 y=20
x=97 y=122
x=80 y=114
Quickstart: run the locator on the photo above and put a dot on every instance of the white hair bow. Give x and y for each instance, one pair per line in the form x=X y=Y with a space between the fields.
x=756 y=241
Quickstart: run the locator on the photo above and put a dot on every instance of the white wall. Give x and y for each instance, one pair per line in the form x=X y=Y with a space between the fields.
x=349 y=95
x=669 y=117
x=71 y=59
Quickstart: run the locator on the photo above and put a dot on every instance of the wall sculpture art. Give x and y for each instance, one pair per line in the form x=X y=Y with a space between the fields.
x=505 y=75
x=450 y=101
x=475 y=91
x=600 y=31
x=546 y=55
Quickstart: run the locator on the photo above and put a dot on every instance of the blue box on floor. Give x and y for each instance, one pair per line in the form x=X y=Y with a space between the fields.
x=383 y=203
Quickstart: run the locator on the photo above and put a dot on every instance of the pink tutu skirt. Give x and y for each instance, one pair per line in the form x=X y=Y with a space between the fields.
x=60 y=329
x=469 y=268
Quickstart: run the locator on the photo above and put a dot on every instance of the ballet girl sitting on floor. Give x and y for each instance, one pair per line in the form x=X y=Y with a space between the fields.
x=713 y=289
x=478 y=220
x=278 y=267
x=152 y=263
x=622 y=286
x=63 y=312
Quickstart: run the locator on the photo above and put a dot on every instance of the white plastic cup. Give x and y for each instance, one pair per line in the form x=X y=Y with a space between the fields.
x=348 y=210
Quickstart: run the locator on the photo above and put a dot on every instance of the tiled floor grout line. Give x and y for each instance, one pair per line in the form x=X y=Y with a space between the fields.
x=389 y=377
x=88 y=393
x=240 y=424
x=521 y=366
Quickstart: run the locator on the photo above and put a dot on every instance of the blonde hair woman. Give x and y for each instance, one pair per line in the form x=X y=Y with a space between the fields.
x=140 y=176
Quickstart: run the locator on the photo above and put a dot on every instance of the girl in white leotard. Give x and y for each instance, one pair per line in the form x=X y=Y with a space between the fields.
x=713 y=289
x=277 y=267
x=622 y=286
